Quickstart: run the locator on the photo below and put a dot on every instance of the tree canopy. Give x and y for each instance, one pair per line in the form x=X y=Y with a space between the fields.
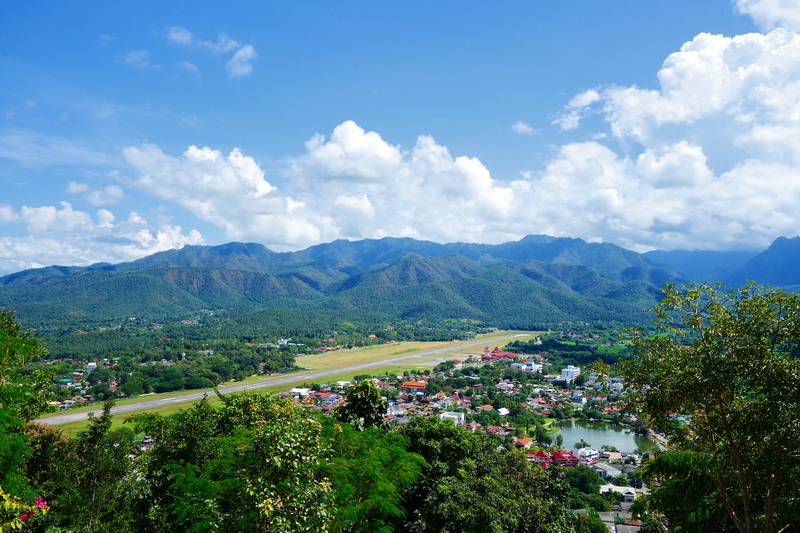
x=726 y=360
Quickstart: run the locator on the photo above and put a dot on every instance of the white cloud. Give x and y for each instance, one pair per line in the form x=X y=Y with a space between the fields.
x=8 y=214
x=575 y=109
x=33 y=148
x=63 y=236
x=139 y=59
x=179 y=35
x=353 y=185
x=77 y=188
x=771 y=14
x=111 y=194
x=240 y=63
x=522 y=128
x=719 y=150
x=718 y=86
x=189 y=67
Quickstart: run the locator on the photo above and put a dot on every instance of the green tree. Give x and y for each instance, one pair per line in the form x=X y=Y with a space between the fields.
x=728 y=359
x=685 y=493
x=369 y=472
x=253 y=465
x=364 y=407
x=584 y=479
x=23 y=397
x=470 y=485
x=87 y=482
x=591 y=524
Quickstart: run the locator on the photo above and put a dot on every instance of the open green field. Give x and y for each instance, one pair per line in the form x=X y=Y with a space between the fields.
x=343 y=359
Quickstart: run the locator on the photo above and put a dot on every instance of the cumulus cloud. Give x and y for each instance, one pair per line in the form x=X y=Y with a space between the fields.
x=62 y=235
x=352 y=185
x=771 y=14
x=240 y=62
x=522 y=128
x=718 y=143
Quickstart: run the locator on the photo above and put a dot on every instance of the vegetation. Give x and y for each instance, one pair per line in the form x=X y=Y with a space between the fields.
x=728 y=361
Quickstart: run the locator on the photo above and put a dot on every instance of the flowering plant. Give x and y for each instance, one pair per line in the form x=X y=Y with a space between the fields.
x=14 y=513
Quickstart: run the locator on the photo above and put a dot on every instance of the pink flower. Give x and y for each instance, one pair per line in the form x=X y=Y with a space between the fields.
x=41 y=503
x=24 y=517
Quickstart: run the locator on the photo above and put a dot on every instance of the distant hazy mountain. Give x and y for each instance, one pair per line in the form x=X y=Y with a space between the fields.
x=698 y=264
x=777 y=266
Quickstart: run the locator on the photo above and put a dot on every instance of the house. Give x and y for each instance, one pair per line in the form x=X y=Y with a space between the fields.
x=564 y=458
x=457 y=418
x=610 y=457
x=523 y=443
x=415 y=385
x=606 y=471
x=542 y=457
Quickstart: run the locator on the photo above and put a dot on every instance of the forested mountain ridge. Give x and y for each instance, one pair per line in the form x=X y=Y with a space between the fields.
x=535 y=281
x=530 y=282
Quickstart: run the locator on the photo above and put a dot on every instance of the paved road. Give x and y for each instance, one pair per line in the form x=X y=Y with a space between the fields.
x=296 y=377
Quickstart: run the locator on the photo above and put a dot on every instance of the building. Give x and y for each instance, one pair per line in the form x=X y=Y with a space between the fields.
x=587 y=456
x=457 y=418
x=565 y=459
x=606 y=471
x=570 y=373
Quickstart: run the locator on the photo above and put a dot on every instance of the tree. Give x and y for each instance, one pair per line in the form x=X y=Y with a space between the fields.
x=585 y=479
x=369 y=471
x=22 y=398
x=728 y=360
x=253 y=465
x=685 y=494
x=88 y=484
x=470 y=485
x=363 y=407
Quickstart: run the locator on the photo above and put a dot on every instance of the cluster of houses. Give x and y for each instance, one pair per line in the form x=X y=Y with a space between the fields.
x=410 y=398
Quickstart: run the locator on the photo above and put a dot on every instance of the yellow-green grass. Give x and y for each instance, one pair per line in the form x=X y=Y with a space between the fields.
x=368 y=354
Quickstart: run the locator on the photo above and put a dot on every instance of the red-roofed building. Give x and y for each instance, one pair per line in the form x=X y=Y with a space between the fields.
x=565 y=459
x=415 y=385
x=541 y=457
x=523 y=443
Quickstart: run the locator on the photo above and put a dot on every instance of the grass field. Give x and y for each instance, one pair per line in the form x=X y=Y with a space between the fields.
x=323 y=361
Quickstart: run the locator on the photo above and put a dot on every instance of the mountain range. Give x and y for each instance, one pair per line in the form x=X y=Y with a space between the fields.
x=534 y=282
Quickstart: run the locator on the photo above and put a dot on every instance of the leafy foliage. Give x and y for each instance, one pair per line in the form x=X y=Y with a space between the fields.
x=364 y=407
x=727 y=359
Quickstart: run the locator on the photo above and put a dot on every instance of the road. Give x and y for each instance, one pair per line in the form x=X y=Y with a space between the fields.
x=306 y=376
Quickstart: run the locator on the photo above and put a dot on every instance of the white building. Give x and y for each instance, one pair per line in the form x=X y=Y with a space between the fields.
x=457 y=418
x=530 y=366
x=587 y=456
x=570 y=373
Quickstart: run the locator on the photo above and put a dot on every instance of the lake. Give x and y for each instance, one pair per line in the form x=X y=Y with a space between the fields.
x=598 y=434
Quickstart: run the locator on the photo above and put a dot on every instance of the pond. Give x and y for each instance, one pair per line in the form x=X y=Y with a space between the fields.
x=598 y=434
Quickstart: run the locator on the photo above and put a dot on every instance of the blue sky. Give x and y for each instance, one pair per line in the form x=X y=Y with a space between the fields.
x=129 y=128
